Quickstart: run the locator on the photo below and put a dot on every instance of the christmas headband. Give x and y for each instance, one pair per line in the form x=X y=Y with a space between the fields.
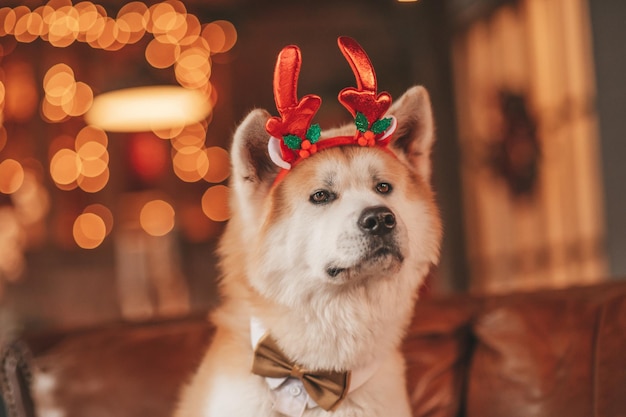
x=294 y=138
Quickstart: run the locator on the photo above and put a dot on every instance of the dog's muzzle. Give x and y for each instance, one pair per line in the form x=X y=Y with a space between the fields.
x=377 y=224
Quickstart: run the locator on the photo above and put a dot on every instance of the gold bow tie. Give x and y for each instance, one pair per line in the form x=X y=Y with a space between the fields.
x=326 y=388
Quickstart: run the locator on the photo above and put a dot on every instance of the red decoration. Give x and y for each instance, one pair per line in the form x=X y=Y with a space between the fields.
x=298 y=139
x=148 y=156
x=362 y=99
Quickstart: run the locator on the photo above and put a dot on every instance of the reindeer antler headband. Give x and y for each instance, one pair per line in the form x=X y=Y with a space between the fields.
x=294 y=138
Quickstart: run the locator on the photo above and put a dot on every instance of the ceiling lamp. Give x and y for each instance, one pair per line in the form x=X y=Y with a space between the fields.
x=144 y=109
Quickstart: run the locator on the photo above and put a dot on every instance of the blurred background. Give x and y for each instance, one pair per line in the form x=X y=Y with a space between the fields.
x=116 y=117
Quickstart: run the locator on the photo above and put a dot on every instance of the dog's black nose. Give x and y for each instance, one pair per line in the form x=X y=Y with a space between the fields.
x=377 y=220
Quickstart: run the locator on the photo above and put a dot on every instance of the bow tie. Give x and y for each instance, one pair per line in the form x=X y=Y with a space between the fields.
x=326 y=388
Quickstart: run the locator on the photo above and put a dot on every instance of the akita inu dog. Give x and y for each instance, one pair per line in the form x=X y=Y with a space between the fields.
x=331 y=235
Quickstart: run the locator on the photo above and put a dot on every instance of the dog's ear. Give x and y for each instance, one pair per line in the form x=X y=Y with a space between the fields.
x=415 y=133
x=251 y=163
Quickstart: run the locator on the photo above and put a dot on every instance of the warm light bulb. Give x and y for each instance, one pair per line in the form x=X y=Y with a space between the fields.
x=144 y=109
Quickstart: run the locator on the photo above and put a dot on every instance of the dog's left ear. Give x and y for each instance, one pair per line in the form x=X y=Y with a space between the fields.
x=249 y=154
x=415 y=134
x=253 y=172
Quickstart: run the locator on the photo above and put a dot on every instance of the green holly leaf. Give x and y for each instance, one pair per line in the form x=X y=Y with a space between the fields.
x=292 y=142
x=313 y=134
x=362 y=124
x=380 y=125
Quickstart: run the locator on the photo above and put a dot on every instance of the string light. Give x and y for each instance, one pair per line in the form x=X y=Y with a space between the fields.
x=83 y=165
x=64 y=96
x=180 y=42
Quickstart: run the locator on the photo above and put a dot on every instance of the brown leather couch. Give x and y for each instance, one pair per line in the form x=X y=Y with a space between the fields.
x=545 y=354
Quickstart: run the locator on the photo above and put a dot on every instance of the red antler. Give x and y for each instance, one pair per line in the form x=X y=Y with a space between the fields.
x=363 y=99
x=294 y=138
x=296 y=115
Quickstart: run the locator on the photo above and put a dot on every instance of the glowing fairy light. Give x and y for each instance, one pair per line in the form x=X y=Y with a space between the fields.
x=89 y=230
x=215 y=203
x=104 y=213
x=180 y=43
x=64 y=96
x=85 y=165
x=219 y=164
x=11 y=176
x=65 y=167
x=157 y=217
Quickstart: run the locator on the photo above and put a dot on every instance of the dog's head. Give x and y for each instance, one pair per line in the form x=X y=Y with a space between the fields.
x=345 y=217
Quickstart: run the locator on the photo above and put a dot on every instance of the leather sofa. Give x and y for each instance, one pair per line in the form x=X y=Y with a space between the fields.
x=552 y=353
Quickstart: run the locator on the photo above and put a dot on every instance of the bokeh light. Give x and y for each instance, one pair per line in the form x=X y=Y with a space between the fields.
x=65 y=167
x=89 y=230
x=157 y=218
x=191 y=163
x=80 y=102
x=104 y=213
x=215 y=37
x=215 y=203
x=91 y=134
x=94 y=158
x=161 y=54
x=180 y=42
x=148 y=108
x=11 y=176
x=63 y=26
x=93 y=184
x=219 y=164
x=80 y=162
x=59 y=84
x=63 y=95
x=134 y=14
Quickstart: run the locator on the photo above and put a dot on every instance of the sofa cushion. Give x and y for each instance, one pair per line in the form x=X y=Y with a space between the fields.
x=610 y=375
x=537 y=355
x=124 y=370
x=436 y=352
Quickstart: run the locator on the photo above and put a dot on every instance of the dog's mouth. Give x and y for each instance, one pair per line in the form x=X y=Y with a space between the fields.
x=382 y=258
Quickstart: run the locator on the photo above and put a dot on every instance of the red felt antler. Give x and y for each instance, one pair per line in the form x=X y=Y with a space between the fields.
x=362 y=99
x=296 y=115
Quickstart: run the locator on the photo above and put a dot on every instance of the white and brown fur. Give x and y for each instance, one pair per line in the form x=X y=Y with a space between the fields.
x=324 y=288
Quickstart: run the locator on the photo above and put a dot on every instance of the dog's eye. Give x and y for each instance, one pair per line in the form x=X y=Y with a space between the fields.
x=321 y=197
x=383 y=188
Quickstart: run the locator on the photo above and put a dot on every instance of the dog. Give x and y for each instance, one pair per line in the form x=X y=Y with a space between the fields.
x=326 y=248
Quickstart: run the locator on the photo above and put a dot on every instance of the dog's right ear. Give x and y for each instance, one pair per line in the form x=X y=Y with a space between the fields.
x=251 y=163
x=415 y=134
